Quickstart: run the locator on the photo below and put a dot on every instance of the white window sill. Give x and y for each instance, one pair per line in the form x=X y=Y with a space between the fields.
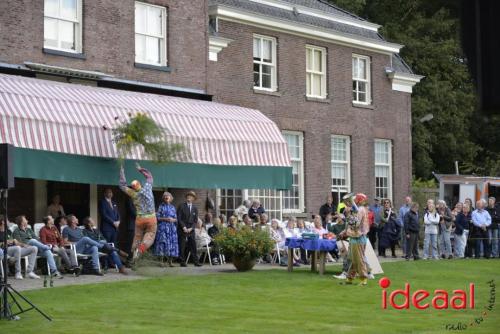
x=317 y=99
x=64 y=53
x=266 y=92
x=362 y=105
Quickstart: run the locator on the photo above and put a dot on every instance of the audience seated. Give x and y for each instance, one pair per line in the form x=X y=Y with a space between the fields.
x=82 y=244
x=90 y=230
x=26 y=236
x=17 y=251
x=50 y=236
x=318 y=226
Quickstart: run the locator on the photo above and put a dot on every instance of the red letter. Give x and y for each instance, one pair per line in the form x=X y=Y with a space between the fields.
x=471 y=296
x=443 y=297
x=416 y=299
x=459 y=295
x=405 y=293
x=384 y=299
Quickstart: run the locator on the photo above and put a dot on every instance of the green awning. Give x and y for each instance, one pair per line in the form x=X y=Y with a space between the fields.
x=52 y=166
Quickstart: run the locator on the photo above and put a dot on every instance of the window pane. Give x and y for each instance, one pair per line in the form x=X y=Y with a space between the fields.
x=153 y=50
x=361 y=97
x=256 y=75
x=68 y=9
x=67 y=35
x=362 y=86
x=308 y=84
x=266 y=76
x=256 y=48
x=140 y=18
x=267 y=48
x=154 y=21
x=51 y=7
x=308 y=59
x=354 y=67
x=140 y=48
x=316 y=84
x=50 y=32
x=317 y=61
x=362 y=69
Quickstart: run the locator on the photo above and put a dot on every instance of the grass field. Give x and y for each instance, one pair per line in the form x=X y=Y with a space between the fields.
x=273 y=301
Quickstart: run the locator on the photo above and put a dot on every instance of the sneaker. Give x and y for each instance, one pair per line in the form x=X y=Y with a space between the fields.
x=371 y=276
x=33 y=275
x=97 y=272
x=56 y=274
x=341 y=276
x=19 y=276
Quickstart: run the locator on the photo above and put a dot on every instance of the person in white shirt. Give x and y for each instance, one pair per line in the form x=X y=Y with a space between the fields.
x=431 y=222
x=291 y=231
x=201 y=235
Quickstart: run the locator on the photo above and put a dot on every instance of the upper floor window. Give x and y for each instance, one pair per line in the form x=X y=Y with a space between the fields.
x=264 y=63
x=361 y=79
x=383 y=168
x=62 y=28
x=150 y=34
x=316 y=72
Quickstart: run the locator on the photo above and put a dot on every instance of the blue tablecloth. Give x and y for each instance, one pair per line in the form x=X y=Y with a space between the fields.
x=312 y=244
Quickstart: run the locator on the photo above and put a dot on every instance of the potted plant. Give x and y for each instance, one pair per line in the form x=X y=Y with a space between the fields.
x=244 y=245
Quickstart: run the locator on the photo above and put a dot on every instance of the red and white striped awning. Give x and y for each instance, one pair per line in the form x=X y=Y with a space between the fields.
x=69 y=118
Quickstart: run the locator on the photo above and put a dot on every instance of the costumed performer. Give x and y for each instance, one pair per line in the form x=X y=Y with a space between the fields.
x=145 y=221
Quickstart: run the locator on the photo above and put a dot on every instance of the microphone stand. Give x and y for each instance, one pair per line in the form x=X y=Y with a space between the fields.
x=6 y=290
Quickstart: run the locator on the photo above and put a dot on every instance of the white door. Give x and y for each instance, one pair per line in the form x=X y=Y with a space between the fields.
x=468 y=191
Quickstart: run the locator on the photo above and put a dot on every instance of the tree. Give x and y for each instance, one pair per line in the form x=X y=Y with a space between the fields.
x=430 y=32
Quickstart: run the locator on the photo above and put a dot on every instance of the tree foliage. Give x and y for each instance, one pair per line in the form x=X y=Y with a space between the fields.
x=430 y=31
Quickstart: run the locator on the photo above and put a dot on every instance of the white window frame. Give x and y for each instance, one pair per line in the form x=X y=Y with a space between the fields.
x=163 y=37
x=273 y=64
x=251 y=194
x=347 y=163
x=367 y=80
x=78 y=29
x=389 y=165
x=301 y=171
x=311 y=73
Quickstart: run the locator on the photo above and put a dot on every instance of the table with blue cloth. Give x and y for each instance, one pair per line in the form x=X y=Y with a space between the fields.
x=319 y=246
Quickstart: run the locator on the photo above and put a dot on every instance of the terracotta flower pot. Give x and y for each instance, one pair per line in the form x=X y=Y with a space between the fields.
x=243 y=264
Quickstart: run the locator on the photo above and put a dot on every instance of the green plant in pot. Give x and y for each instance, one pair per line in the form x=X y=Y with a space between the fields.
x=244 y=245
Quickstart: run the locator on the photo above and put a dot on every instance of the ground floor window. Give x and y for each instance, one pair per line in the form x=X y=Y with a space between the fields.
x=229 y=199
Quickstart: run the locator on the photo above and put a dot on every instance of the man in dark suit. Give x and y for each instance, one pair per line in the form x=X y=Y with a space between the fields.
x=110 y=217
x=187 y=217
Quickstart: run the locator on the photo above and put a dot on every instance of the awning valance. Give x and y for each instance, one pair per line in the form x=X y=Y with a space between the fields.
x=64 y=120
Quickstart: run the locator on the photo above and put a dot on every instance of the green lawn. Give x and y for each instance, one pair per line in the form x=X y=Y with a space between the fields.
x=271 y=301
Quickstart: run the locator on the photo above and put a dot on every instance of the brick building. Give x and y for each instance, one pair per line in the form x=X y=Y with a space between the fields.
x=249 y=53
x=338 y=91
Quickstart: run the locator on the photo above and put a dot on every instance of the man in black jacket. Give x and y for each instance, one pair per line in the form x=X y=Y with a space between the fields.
x=412 y=227
x=187 y=217
x=327 y=208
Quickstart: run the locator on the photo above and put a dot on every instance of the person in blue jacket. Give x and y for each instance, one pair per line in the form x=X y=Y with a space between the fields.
x=110 y=217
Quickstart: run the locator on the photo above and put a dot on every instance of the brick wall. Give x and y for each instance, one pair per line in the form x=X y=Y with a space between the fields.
x=108 y=39
x=231 y=81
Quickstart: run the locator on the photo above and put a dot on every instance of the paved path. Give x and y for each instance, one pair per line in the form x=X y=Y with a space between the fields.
x=149 y=272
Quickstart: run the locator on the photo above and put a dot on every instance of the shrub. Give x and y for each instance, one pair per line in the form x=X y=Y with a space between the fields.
x=244 y=243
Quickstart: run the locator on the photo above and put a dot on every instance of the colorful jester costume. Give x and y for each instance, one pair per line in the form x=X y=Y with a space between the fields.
x=142 y=197
x=356 y=229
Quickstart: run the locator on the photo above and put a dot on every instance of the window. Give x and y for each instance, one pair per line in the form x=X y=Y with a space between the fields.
x=264 y=63
x=361 y=79
x=315 y=72
x=293 y=200
x=150 y=34
x=383 y=168
x=341 y=169
x=62 y=25
x=229 y=199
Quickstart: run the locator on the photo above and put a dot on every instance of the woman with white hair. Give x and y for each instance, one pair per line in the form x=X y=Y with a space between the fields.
x=166 y=243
